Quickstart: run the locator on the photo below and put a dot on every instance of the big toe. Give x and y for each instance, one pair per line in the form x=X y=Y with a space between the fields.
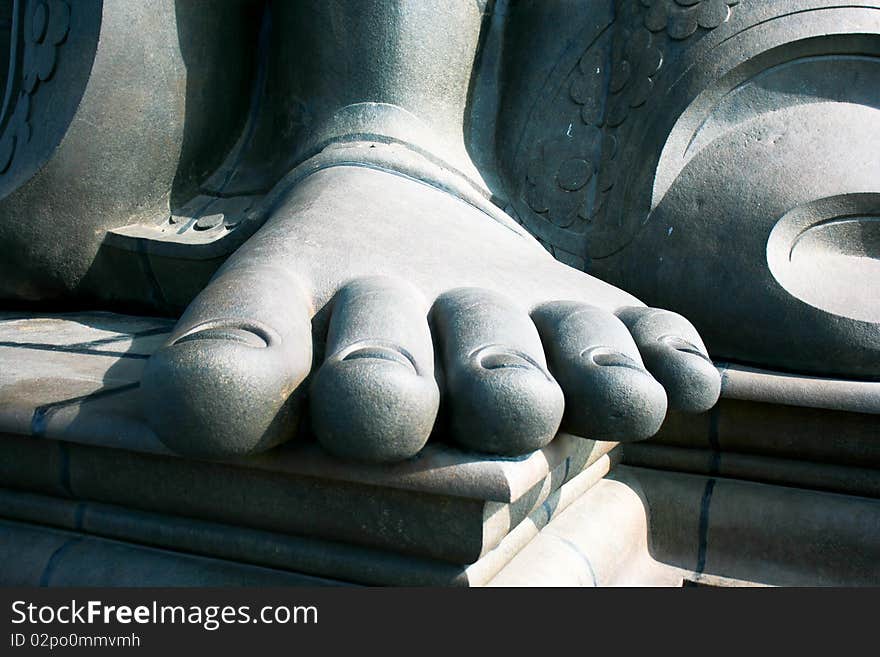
x=227 y=383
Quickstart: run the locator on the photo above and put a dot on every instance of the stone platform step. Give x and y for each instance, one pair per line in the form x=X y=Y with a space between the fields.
x=788 y=429
x=819 y=435
x=437 y=525
x=766 y=469
x=648 y=527
x=301 y=554
x=779 y=484
x=634 y=527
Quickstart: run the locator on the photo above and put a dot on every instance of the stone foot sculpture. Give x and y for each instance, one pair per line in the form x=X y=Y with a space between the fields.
x=377 y=269
x=412 y=286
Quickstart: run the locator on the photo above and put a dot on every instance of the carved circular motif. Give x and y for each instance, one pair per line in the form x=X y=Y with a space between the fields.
x=574 y=173
x=559 y=172
x=59 y=22
x=680 y=18
x=39 y=23
x=713 y=13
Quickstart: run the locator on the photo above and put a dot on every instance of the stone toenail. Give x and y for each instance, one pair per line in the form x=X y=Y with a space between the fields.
x=606 y=357
x=680 y=344
x=229 y=333
x=497 y=357
x=391 y=353
x=495 y=361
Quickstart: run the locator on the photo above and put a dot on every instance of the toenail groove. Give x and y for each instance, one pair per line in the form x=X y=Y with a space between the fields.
x=497 y=357
x=377 y=349
x=250 y=334
x=501 y=361
x=607 y=357
x=680 y=344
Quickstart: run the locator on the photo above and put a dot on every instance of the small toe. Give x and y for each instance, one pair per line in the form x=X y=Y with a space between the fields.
x=375 y=398
x=227 y=381
x=609 y=395
x=499 y=396
x=675 y=354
